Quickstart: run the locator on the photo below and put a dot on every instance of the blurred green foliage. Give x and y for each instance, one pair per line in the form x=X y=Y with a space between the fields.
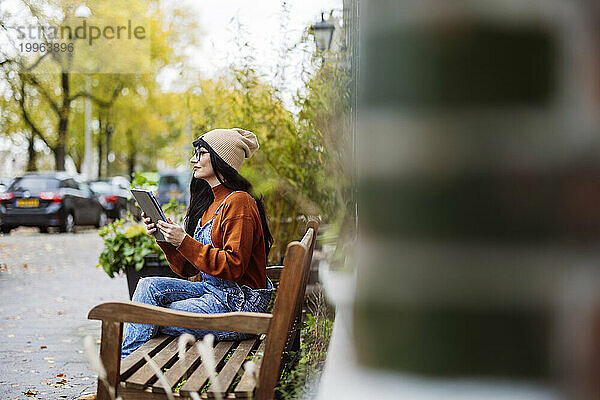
x=142 y=181
x=302 y=369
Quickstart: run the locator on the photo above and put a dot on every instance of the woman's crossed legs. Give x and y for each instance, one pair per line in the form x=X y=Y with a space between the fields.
x=176 y=294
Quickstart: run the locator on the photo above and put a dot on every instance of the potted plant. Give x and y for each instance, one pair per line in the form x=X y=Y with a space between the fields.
x=128 y=248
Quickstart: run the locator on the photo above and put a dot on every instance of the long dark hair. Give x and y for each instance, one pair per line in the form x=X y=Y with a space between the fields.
x=201 y=195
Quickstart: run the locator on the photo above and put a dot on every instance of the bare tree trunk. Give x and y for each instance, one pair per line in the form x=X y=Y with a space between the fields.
x=100 y=155
x=78 y=160
x=27 y=118
x=109 y=131
x=131 y=165
x=63 y=122
x=132 y=152
x=31 y=153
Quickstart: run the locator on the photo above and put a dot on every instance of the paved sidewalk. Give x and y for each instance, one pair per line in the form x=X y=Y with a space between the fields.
x=48 y=283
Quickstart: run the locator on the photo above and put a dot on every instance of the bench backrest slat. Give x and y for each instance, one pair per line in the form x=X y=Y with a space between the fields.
x=290 y=293
x=305 y=275
x=274 y=272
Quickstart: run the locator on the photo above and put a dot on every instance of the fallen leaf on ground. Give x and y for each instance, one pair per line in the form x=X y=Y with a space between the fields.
x=30 y=393
x=43 y=347
x=60 y=375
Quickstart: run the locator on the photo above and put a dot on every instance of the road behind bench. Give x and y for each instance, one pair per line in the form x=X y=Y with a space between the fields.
x=48 y=283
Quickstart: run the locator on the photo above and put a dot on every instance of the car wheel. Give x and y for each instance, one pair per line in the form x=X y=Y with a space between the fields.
x=5 y=229
x=102 y=220
x=69 y=224
x=123 y=213
x=43 y=229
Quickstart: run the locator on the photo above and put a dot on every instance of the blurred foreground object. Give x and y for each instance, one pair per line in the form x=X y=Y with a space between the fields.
x=479 y=185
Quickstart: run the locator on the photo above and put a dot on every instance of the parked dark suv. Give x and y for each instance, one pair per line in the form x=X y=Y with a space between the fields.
x=49 y=199
x=115 y=199
x=173 y=185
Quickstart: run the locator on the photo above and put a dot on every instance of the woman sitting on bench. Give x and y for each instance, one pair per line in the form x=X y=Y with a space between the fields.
x=226 y=239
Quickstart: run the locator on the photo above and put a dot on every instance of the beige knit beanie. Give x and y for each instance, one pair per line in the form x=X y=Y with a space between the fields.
x=232 y=145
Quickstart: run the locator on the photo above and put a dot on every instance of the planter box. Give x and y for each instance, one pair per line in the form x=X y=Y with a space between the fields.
x=153 y=266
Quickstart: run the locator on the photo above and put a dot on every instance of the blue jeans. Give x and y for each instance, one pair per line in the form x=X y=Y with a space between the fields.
x=206 y=297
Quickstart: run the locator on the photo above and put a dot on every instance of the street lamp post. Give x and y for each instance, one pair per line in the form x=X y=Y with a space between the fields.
x=84 y=12
x=323 y=31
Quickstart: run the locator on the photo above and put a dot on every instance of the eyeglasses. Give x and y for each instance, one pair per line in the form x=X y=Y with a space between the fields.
x=198 y=153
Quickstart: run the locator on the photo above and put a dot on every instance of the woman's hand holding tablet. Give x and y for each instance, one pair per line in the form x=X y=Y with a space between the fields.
x=151 y=210
x=172 y=232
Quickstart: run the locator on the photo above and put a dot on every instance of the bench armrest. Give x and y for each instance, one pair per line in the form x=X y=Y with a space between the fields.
x=129 y=311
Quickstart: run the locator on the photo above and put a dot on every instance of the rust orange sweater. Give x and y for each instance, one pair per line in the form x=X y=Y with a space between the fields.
x=238 y=253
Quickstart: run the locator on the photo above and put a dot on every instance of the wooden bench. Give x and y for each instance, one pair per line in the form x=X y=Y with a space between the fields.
x=133 y=378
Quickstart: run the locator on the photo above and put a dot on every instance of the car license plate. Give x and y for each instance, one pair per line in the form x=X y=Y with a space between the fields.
x=28 y=203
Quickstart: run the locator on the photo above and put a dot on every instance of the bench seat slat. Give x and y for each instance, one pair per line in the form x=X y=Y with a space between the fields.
x=127 y=393
x=145 y=374
x=233 y=365
x=245 y=387
x=200 y=376
x=182 y=367
x=135 y=360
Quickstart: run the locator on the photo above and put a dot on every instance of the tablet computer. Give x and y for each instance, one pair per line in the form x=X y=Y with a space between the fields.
x=151 y=208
